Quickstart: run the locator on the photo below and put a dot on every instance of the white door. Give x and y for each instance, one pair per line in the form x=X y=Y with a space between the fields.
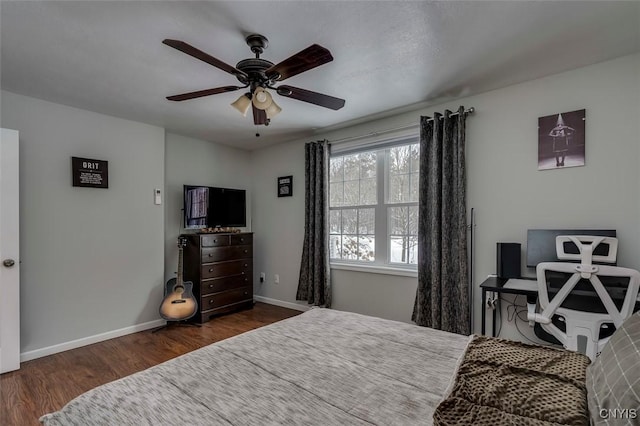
x=9 y=250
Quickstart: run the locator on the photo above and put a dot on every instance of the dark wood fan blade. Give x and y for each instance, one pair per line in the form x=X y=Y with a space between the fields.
x=259 y=115
x=201 y=93
x=199 y=54
x=311 y=97
x=311 y=57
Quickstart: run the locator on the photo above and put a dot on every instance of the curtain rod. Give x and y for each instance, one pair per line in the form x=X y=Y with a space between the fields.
x=411 y=126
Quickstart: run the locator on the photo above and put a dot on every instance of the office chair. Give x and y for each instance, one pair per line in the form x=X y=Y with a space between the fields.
x=582 y=328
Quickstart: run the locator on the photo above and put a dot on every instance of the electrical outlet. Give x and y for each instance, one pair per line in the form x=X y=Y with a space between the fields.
x=263 y=277
x=276 y=279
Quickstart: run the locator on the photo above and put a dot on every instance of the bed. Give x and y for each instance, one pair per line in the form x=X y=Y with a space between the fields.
x=323 y=367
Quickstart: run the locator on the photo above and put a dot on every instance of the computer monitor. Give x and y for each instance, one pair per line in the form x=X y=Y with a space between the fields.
x=541 y=243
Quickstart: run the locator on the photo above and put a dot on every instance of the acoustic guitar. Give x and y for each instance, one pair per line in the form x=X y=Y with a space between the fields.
x=179 y=303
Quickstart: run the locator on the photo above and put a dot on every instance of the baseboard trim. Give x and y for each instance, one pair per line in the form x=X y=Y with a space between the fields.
x=73 y=344
x=290 y=305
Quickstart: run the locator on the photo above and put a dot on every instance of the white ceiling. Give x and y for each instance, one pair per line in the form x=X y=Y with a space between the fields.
x=108 y=56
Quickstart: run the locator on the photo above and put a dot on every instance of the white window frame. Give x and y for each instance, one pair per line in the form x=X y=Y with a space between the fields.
x=382 y=263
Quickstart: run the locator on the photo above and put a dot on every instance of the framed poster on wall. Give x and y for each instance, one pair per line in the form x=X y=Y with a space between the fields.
x=285 y=186
x=561 y=140
x=90 y=173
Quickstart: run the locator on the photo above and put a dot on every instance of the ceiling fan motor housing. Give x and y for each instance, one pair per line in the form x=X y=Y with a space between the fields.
x=254 y=68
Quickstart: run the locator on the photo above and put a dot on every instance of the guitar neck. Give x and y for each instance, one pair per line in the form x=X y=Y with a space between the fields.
x=179 y=280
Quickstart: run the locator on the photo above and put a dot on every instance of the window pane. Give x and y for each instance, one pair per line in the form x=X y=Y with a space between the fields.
x=368 y=193
x=349 y=221
x=351 y=166
x=336 y=169
x=415 y=158
x=398 y=249
x=368 y=164
x=366 y=248
x=413 y=251
x=413 y=193
x=351 y=193
x=399 y=189
x=349 y=247
x=397 y=220
x=367 y=221
x=334 y=246
x=413 y=220
x=336 y=194
x=399 y=160
x=334 y=222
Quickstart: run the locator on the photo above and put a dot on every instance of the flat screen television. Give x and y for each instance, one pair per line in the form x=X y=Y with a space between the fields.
x=210 y=207
x=541 y=243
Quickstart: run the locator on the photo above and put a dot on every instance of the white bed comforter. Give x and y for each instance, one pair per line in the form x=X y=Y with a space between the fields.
x=323 y=367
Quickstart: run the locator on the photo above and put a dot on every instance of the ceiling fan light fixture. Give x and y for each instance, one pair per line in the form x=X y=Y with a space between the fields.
x=273 y=110
x=261 y=98
x=242 y=104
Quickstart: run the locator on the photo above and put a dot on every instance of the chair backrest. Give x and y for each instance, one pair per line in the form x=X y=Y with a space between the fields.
x=582 y=327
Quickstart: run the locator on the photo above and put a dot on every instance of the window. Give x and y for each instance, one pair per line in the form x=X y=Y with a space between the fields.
x=373 y=205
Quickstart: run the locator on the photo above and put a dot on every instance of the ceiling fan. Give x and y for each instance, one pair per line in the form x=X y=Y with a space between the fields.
x=258 y=75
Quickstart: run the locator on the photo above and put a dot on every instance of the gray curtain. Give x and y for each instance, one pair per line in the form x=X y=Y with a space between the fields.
x=442 y=298
x=314 y=285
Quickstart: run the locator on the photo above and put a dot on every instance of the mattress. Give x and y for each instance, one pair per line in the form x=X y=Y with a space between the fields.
x=323 y=367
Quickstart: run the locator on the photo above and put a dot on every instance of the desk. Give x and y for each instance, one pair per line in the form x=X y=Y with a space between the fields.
x=524 y=286
x=528 y=287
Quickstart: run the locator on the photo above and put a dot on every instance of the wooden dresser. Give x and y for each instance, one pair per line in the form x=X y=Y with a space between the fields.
x=221 y=269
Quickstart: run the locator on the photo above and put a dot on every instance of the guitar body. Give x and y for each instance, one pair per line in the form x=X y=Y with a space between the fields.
x=179 y=303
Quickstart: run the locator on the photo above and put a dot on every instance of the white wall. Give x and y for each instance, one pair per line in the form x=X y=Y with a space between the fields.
x=195 y=162
x=507 y=191
x=92 y=259
x=278 y=223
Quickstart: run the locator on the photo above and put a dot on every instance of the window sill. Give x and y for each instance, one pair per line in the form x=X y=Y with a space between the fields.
x=375 y=269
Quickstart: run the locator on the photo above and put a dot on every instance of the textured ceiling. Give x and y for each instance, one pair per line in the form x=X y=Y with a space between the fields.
x=108 y=57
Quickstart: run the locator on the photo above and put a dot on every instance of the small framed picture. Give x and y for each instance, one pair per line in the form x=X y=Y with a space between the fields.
x=285 y=186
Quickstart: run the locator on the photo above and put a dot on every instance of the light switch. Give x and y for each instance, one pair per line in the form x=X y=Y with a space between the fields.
x=157 y=196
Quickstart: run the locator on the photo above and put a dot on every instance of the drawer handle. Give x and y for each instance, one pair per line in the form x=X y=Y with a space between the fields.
x=210 y=285
x=242 y=272
x=210 y=254
x=246 y=251
x=245 y=293
x=241 y=240
x=210 y=301
x=245 y=265
x=215 y=241
x=246 y=279
x=210 y=269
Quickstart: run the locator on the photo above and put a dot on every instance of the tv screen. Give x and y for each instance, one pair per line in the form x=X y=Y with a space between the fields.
x=541 y=243
x=210 y=207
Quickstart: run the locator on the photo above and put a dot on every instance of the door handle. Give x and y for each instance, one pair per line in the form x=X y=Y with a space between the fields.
x=8 y=263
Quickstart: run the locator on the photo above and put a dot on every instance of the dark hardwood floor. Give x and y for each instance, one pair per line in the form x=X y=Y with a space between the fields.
x=46 y=384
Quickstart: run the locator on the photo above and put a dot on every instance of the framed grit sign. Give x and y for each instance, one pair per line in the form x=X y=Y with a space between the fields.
x=90 y=173
x=285 y=186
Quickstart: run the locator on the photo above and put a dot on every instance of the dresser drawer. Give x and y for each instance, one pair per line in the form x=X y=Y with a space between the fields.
x=224 y=298
x=241 y=239
x=226 y=283
x=217 y=254
x=223 y=269
x=214 y=240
